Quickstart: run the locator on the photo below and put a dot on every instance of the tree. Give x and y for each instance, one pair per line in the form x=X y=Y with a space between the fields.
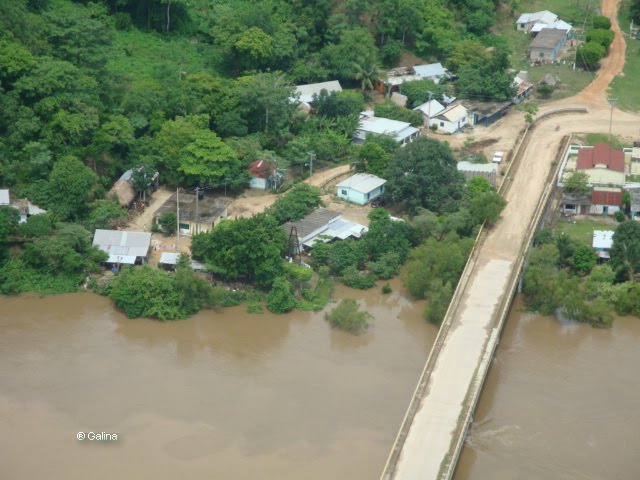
x=70 y=188
x=207 y=159
x=280 y=298
x=421 y=91
x=601 y=36
x=583 y=259
x=465 y=52
x=247 y=248
x=37 y=226
x=193 y=291
x=337 y=104
x=424 y=174
x=105 y=213
x=298 y=202
x=142 y=178
x=388 y=109
x=589 y=54
x=486 y=207
x=601 y=22
x=348 y=317
x=487 y=77
x=169 y=222
x=366 y=72
x=374 y=158
x=9 y=218
x=354 y=44
x=577 y=183
x=254 y=48
x=625 y=252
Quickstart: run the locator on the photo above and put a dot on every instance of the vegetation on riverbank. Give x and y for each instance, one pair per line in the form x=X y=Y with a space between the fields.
x=563 y=278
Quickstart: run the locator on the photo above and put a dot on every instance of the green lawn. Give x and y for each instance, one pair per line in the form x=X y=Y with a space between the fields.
x=582 y=230
x=625 y=88
x=593 y=138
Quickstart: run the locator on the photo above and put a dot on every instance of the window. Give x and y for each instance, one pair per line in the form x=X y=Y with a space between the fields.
x=343 y=191
x=442 y=124
x=541 y=54
x=368 y=195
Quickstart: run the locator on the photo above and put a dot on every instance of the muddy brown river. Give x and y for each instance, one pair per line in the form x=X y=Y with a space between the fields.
x=223 y=395
x=230 y=395
x=562 y=401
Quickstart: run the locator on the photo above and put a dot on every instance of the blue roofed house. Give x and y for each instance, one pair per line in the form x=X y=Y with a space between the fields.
x=361 y=188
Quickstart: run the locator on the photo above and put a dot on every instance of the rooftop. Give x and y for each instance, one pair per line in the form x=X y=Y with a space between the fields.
x=558 y=25
x=430 y=108
x=261 y=169
x=122 y=244
x=4 y=197
x=606 y=196
x=603 y=239
x=453 y=113
x=316 y=220
x=338 y=229
x=601 y=154
x=548 y=38
x=362 y=182
x=430 y=70
x=544 y=16
x=384 y=126
x=477 y=167
x=634 y=193
x=209 y=208
x=308 y=91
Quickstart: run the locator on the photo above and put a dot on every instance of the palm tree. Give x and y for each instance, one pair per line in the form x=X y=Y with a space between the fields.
x=366 y=72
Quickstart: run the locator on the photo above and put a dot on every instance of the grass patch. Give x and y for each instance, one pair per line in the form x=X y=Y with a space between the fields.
x=624 y=88
x=582 y=230
x=593 y=138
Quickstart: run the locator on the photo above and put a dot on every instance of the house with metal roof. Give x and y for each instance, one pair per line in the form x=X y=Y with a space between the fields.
x=4 y=197
x=307 y=92
x=602 y=243
x=603 y=165
x=361 y=188
x=557 y=25
x=605 y=200
x=401 y=132
x=547 y=44
x=323 y=225
x=264 y=175
x=123 y=248
x=452 y=119
x=197 y=213
x=429 y=110
x=526 y=21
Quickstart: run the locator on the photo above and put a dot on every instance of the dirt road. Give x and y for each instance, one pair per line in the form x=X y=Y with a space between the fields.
x=143 y=222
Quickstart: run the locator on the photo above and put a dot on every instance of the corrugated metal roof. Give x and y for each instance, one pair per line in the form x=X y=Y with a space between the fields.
x=603 y=239
x=308 y=91
x=338 y=229
x=453 y=113
x=477 y=167
x=430 y=70
x=384 y=126
x=544 y=16
x=169 y=258
x=122 y=259
x=362 y=182
x=431 y=108
x=117 y=242
x=4 y=197
x=316 y=220
x=548 y=38
x=606 y=196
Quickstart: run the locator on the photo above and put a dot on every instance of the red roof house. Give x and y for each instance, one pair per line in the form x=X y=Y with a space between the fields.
x=261 y=173
x=606 y=196
x=601 y=156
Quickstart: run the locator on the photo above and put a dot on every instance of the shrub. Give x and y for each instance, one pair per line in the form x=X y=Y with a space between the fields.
x=353 y=278
x=298 y=202
x=545 y=90
x=388 y=109
x=386 y=288
x=281 y=298
x=601 y=23
x=619 y=216
x=589 y=54
x=439 y=299
x=346 y=316
x=601 y=37
x=169 y=223
x=387 y=266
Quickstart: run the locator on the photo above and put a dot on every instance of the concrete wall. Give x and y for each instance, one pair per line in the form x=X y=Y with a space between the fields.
x=599 y=209
x=260 y=183
x=353 y=196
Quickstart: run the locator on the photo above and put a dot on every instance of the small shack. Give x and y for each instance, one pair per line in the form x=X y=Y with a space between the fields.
x=263 y=175
x=485 y=113
x=547 y=44
x=123 y=248
x=361 y=188
x=123 y=190
x=602 y=243
x=452 y=119
x=307 y=92
x=196 y=214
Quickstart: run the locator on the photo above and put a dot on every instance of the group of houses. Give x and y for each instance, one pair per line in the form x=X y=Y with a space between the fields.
x=550 y=34
x=609 y=172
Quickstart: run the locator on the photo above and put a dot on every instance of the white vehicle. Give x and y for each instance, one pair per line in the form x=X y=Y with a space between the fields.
x=497 y=157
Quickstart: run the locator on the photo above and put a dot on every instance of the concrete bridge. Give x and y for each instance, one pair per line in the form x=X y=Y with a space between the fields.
x=433 y=431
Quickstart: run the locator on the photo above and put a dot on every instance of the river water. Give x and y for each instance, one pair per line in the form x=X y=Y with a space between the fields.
x=562 y=401
x=222 y=395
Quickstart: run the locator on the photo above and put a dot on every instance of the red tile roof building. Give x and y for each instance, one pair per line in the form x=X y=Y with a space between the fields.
x=606 y=196
x=601 y=156
x=261 y=169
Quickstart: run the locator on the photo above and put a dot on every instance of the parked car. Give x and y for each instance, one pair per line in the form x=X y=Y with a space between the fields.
x=498 y=157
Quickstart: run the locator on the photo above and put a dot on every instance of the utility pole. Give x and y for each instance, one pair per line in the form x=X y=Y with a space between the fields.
x=197 y=218
x=312 y=156
x=612 y=101
x=178 y=217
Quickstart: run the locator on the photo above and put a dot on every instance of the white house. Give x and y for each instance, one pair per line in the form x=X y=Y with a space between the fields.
x=451 y=119
x=307 y=92
x=557 y=25
x=124 y=248
x=429 y=109
x=401 y=132
x=4 y=197
x=526 y=21
x=361 y=188
x=602 y=242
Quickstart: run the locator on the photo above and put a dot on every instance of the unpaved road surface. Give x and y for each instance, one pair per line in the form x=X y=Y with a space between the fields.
x=431 y=431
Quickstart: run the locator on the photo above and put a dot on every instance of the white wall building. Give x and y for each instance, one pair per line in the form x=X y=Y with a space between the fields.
x=429 y=110
x=451 y=119
x=401 y=132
